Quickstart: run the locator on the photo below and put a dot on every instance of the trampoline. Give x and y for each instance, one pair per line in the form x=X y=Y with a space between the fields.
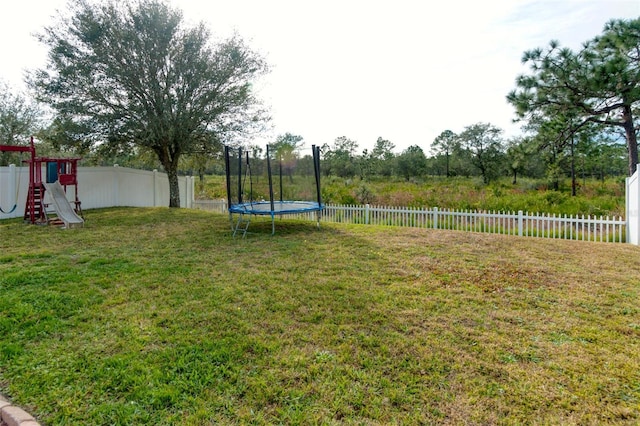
x=284 y=182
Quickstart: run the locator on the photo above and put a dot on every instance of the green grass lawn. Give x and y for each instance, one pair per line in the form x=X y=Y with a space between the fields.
x=158 y=316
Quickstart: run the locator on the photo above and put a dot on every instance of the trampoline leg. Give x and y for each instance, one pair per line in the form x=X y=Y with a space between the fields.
x=237 y=225
x=273 y=225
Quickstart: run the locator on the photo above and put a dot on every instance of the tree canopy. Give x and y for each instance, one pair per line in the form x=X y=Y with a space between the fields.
x=412 y=162
x=567 y=92
x=483 y=141
x=379 y=161
x=287 y=144
x=19 y=119
x=132 y=74
x=340 y=158
x=445 y=144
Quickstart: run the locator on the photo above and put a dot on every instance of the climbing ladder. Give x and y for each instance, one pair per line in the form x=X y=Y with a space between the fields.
x=241 y=225
x=34 y=211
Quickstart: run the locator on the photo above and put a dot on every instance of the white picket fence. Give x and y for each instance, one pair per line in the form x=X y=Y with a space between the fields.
x=589 y=228
x=495 y=222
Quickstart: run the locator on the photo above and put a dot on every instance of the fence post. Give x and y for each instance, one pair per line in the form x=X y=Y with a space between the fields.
x=155 y=179
x=185 y=196
x=187 y=189
x=192 y=186
x=12 y=185
x=632 y=207
x=520 y=223
x=116 y=185
x=435 y=218
x=627 y=182
x=366 y=214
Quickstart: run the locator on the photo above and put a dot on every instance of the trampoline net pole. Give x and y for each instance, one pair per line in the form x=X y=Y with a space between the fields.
x=281 y=199
x=270 y=179
x=239 y=175
x=316 y=168
x=227 y=154
x=250 y=179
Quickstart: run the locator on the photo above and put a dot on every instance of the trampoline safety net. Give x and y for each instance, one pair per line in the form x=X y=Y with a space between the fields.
x=280 y=181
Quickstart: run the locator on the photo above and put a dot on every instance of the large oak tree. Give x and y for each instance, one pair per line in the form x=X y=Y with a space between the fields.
x=132 y=74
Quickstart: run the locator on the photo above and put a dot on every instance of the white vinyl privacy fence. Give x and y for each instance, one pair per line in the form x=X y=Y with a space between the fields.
x=98 y=187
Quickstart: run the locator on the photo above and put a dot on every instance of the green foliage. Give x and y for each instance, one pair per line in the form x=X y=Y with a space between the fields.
x=364 y=194
x=381 y=160
x=443 y=148
x=484 y=143
x=412 y=163
x=284 y=153
x=339 y=191
x=595 y=197
x=340 y=158
x=136 y=76
x=286 y=144
x=568 y=93
x=19 y=120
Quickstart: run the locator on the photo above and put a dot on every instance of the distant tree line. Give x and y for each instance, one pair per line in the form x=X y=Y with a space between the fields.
x=480 y=150
x=133 y=84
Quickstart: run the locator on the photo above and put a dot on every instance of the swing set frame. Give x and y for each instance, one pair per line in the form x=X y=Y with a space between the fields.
x=31 y=150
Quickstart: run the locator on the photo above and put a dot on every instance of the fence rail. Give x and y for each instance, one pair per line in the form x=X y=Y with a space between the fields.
x=589 y=228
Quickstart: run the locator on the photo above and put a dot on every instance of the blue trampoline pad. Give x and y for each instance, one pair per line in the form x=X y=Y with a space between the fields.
x=279 y=207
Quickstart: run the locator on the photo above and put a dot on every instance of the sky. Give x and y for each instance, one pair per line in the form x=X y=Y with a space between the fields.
x=403 y=70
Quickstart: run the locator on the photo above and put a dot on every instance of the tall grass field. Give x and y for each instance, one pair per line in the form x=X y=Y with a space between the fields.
x=593 y=197
x=160 y=317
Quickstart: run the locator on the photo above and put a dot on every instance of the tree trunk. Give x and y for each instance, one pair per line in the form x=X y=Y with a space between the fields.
x=169 y=160
x=447 y=162
x=174 y=188
x=632 y=141
x=483 y=172
x=573 y=169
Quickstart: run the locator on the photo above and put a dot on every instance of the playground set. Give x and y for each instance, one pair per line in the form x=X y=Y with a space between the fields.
x=61 y=173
